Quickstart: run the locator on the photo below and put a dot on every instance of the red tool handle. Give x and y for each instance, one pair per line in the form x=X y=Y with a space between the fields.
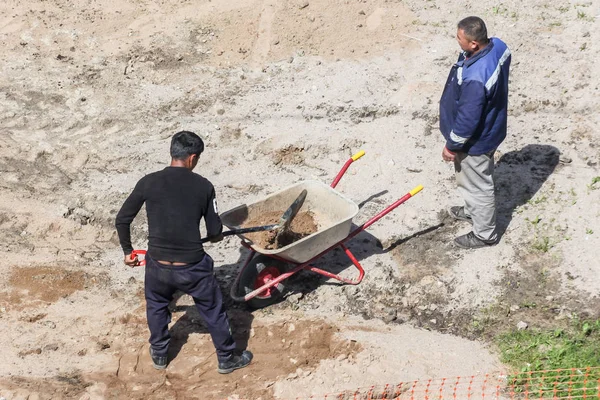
x=346 y=166
x=136 y=253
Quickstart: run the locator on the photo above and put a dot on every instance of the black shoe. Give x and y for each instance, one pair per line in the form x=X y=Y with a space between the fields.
x=458 y=212
x=159 y=362
x=235 y=362
x=470 y=241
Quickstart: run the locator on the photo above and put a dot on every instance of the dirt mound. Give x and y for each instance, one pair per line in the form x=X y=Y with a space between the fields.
x=280 y=349
x=31 y=286
x=289 y=155
x=302 y=225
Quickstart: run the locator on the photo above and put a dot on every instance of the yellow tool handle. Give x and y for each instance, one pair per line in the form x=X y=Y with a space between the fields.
x=416 y=190
x=358 y=155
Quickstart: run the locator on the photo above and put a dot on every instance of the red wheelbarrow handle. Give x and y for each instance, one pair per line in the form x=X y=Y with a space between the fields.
x=135 y=253
x=346 y=166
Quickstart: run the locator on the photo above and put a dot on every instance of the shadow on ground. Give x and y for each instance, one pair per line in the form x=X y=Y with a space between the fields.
x=519 y=175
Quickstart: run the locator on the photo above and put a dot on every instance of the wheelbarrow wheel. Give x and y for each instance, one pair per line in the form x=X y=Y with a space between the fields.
x=259 y=271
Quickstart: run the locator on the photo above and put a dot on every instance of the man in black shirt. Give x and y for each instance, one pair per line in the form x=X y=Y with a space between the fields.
x=176 y=200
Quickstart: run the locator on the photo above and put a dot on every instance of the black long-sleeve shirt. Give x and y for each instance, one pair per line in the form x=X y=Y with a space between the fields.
x=176 y=200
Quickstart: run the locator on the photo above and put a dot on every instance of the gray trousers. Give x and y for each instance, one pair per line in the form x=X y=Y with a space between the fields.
x=475 y=179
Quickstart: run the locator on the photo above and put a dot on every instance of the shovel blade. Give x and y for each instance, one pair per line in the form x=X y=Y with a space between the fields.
x=290 y=213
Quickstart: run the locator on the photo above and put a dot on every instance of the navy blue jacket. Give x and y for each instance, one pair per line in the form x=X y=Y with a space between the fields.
x=473 y=107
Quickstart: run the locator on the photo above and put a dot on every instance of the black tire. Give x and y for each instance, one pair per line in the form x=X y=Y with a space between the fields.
x=248 y=280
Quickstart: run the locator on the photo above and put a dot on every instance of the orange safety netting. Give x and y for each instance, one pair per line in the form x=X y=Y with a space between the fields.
x=573 y=383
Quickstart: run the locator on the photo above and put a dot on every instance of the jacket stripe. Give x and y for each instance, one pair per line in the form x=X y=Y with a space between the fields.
x=457 y=139
x=494 y=78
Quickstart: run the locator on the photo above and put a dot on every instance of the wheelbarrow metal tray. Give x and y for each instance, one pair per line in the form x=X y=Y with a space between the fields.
x=332 y=211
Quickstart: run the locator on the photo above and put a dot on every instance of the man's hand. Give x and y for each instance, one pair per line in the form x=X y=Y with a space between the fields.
x=132 y=261
x=217 y=238
x=447 y=155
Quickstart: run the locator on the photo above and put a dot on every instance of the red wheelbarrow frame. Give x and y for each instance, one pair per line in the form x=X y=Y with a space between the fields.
x=271 y=281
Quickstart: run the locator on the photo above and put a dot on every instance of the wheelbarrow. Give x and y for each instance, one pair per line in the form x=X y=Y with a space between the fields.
x=260 y=281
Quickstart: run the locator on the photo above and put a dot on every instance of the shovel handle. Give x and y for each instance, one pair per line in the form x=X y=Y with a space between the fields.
x=142 y=262
x=245 y=230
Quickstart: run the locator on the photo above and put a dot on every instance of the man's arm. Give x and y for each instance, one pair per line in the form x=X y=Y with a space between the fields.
x=214 y=226
x=126 y=215
x=468 y=117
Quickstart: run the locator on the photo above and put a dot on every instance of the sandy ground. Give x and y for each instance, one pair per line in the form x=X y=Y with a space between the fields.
x=285 y=91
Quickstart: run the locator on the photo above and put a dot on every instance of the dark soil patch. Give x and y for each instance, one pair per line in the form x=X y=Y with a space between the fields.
x=43 y=283
x=289 y=155
x=530 y=295
x=302 y=225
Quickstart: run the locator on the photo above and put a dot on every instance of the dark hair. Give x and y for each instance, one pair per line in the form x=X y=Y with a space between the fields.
x=184 y=144
x=474 y=29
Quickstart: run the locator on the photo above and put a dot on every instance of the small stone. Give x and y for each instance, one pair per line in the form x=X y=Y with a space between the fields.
x=293 y=361
x=401 y=318
x=302 y=4
x=433 y=307
x=294 y=298
x=293 y=375
x=565 y=159
x=220 y=111
x=390 y=315
x=549 y=298
x=522 y=325
x=514 y=308
x=49 y=324
x=51 y=347
x=433 y=321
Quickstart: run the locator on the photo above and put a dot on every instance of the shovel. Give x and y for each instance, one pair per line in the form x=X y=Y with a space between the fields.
x=282 y=226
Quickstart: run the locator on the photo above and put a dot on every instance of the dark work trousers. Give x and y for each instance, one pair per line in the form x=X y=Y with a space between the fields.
x=197 y=280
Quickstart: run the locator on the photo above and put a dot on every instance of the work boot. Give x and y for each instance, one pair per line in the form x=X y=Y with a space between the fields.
x=159 y=362
x=458 y=212
x=235 y=362
x=470 y=241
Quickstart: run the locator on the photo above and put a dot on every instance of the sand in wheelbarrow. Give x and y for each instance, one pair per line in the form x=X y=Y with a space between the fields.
x=302 y=225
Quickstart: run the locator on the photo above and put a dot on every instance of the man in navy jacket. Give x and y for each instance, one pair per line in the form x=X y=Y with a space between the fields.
x=473 y=113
